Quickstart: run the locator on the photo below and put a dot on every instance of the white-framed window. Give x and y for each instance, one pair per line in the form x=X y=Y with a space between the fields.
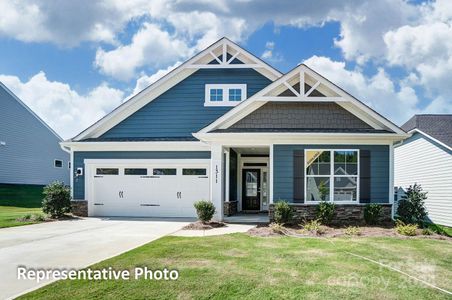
x=224 y=94
x=57 y=163
x=331 y=175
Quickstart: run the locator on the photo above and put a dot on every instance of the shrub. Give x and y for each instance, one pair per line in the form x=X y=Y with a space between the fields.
x=372 y=213
x=406 y=229
x=325 y=212
x=283 y=213
x=57 y=199
x=314 y=226
x=352 y=230
x=277 y=228
x=205 y=210
x=427 y=231
x=27 y=217
x=411 y=208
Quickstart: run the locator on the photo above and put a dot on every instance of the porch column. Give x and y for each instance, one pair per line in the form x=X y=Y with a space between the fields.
x=216 y=180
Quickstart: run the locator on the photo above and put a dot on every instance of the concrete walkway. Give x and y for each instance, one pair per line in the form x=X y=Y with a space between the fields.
x=72 y=244
x=230 y=228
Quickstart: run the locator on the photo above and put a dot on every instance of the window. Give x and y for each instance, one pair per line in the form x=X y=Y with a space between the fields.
x=216 y=95
x=58 y=163
x=332 y=175
x=164 y=172
x=107 y=171
x=135 y=171
x=235 y=95
x=224 y=94
x=194 y=172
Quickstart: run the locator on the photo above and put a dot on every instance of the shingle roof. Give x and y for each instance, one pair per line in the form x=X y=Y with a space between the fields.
x=436 y=126
x=142 y=139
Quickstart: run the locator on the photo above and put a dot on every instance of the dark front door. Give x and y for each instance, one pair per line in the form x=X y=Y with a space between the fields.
x=251 y=189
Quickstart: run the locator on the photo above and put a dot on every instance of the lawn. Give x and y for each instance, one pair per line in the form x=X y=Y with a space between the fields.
x=10 y=214
x=17 y=201
x=238 y=266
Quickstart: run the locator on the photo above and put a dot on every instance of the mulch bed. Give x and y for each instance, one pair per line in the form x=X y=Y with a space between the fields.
x=331 y=232
x=198 y=225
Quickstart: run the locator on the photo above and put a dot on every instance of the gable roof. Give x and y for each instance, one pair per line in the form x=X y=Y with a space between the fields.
x=438 y=127
x=3 y=86
x=221 y=54
x=305 y=85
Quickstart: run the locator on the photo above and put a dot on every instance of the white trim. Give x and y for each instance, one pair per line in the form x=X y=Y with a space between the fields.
x=172 y=78
x=225 y=88
x=270 y=174
x=301 y=99
x=30 y=111
x=391 y=179
x=54 y=163
x=430 y=137
x=137 y=146
x=227 y=171
x=71 y=174
x=368 y=115
x=332 y=176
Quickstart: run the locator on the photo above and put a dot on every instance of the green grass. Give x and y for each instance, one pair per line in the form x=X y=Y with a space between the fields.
x=238 y=266
x=17 y=201
x=21 y=195
x=440 y=229
x=9 y=215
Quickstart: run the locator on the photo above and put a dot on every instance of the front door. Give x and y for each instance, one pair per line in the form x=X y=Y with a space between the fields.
x=251 y=189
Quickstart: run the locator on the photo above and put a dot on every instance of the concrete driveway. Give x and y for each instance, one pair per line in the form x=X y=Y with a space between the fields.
x=72 y=244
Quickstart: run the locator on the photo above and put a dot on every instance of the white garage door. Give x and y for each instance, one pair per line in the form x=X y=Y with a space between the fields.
x=150 y=189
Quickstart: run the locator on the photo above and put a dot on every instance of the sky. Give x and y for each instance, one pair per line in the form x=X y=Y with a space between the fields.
x=72 y=62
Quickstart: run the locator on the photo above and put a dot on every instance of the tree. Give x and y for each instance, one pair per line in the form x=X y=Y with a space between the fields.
x=412 y=206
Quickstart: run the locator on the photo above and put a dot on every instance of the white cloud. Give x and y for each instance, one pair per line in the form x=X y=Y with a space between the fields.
x=67 y=23
x=145 y=80
x=377 y=91
x=150 y=46
x=62 y=108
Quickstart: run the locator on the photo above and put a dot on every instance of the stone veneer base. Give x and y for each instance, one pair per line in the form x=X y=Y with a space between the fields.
x=79 y=208
x=230 y=208
x=344 y=214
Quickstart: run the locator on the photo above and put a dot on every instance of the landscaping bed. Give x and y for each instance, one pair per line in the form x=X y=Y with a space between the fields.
x=331 y=232
x=199 y=225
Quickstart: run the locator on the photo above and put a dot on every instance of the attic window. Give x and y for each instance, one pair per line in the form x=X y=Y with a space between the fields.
x=224 y=94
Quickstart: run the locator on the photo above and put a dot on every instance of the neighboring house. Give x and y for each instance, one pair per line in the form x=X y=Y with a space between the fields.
x=29 y=149
x=426 y=158
x=227 y=127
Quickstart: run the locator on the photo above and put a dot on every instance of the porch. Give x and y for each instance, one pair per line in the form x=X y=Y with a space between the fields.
x=244 y=184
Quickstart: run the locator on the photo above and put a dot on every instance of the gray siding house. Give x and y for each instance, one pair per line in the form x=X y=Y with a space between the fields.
x=29 y=149
x=227 y=127
x=426 y=158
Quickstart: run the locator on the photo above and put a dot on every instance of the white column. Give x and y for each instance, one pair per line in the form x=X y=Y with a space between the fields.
x=391 y=178
x=270 y=174
x=216 y=180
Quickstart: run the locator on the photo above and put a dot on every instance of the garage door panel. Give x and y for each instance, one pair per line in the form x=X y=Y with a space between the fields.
x=149 y=190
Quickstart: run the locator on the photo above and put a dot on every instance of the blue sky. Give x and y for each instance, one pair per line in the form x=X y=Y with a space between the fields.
x=74 y=62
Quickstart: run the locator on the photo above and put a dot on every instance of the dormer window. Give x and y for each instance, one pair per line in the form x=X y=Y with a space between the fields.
x=224 y=94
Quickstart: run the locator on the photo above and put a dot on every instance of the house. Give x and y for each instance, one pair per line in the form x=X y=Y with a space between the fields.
x=426 y=158
x=30 y=153
x=227 y=127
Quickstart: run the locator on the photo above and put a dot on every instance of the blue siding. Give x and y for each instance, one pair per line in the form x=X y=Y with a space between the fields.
x=180 y=111
x=283 y=169
x=30 y=147
x=80 y=156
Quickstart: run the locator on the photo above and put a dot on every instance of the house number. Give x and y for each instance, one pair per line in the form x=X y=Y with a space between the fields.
x=216 y=173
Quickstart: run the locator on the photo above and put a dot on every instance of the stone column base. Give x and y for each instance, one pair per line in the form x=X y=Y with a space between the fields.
x=230 y=208
x=79 y=208
x=344 y=214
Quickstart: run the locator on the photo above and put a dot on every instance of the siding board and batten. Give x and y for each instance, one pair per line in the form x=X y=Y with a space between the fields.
x=423 y=161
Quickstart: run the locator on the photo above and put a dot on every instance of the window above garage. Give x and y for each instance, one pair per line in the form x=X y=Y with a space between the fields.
x=224 y=94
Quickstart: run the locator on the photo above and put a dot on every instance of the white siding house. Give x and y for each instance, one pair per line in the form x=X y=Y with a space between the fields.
x=425 y=159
